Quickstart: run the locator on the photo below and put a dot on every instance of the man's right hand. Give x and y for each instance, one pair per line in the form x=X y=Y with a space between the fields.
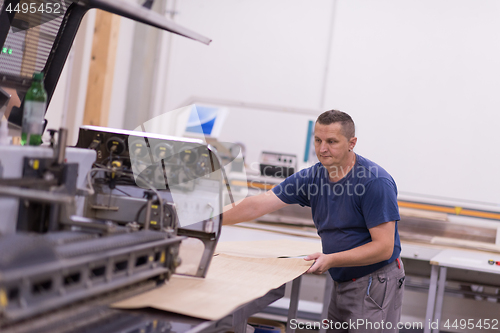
x=321 y=263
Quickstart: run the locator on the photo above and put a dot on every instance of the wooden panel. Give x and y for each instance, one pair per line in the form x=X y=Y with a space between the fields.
x=30 y=51
x=280 y=248
x=231 y=282
x=102 y=65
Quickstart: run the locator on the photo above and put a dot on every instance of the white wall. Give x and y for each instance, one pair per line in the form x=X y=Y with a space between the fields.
x=420 y=78
x=71 y=90
x=124 y=57
x=68 y=101
x=257 y=130
x=271 y=52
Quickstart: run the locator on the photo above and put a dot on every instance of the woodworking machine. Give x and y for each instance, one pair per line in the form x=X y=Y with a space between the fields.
x=82 y=227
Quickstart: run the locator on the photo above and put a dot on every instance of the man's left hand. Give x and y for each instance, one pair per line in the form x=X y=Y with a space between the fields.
x=321 y=263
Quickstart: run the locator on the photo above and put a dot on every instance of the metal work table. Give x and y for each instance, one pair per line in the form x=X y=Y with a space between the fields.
x=230 y=233
x=100 y=318
x=410 y=251
x=236 y=321
x=426 y=260
x=459 y=259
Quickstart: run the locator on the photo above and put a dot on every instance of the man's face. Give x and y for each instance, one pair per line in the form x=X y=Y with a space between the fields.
x=331 y=146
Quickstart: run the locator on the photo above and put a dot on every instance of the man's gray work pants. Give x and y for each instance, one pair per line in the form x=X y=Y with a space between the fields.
x=370 y=304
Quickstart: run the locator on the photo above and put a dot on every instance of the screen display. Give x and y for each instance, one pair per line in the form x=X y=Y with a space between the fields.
x=205 y=120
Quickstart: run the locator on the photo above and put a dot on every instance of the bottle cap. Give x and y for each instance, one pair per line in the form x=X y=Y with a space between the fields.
x=38 y=76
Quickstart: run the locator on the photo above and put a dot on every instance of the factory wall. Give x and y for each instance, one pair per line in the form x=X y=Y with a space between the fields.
x=270 y=53
x=420 y=78
x=67 y=106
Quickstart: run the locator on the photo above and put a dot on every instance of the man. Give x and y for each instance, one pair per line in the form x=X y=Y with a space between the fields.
x=354 y=207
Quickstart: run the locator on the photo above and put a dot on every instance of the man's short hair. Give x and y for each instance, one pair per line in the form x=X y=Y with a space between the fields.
x=336 y=116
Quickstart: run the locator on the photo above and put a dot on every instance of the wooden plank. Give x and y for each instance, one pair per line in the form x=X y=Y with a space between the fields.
x=281 y=229
x=30 y=51
x=101 y=71
x=423 y=214
x=279 y=248
x=231 y=282
x=473 y=245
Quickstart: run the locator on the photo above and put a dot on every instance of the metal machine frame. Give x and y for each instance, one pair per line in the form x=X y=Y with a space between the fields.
x=73 y=261
x=208 y=228
x=66 y=35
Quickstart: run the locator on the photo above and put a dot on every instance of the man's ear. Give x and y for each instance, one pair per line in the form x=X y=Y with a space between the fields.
x=352 y=142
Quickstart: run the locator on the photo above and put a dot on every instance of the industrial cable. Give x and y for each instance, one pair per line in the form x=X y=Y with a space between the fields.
x=151 y=187
x=140 y=211
x=116 y=188
x=126 y=173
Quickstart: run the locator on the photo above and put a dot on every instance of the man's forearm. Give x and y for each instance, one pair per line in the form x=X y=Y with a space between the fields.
x=367 y=254
x=238 y=212
x=364 y=255
x=379 y=249
x=251 y=208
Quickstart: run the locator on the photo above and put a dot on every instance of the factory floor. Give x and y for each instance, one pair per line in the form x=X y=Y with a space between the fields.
x=400 y=331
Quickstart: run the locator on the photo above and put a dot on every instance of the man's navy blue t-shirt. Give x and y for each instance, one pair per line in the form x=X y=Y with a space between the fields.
x=343 y=211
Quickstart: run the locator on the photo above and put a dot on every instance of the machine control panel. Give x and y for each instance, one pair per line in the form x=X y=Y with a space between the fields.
x=277 y=164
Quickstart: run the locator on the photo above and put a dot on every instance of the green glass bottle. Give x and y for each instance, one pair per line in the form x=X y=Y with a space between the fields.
x=35 y=104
